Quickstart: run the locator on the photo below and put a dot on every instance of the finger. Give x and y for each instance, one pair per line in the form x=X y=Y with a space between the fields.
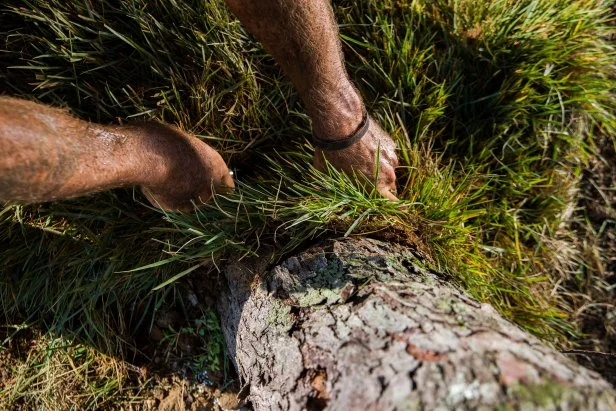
x=166 y=204
x=386 y=192
x=225 y=184
x=386 y=185
x=394 y=161
x=318 y=161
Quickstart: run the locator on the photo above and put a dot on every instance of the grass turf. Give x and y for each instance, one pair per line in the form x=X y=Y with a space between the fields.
x=495 y=105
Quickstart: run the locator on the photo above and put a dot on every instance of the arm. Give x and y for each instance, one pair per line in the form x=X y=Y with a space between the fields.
x=46 y=155
x=302 y=36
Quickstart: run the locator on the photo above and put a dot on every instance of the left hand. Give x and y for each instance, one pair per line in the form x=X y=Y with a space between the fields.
x=192 y=170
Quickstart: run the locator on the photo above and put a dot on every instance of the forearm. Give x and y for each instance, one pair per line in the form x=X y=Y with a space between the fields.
x=302 y=36
x=46 y=154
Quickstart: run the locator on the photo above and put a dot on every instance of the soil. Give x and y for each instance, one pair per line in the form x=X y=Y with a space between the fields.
x=178 y=385
x=594 y=289
x=166 y=372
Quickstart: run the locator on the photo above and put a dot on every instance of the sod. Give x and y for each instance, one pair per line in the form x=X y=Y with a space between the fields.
x=497 y=108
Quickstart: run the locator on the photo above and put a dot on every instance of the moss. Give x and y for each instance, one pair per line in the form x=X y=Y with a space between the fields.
x=280 y=316
x=546 y=394
x=329 y=285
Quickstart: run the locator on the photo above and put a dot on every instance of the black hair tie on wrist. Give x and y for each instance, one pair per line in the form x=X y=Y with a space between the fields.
x=335 y=145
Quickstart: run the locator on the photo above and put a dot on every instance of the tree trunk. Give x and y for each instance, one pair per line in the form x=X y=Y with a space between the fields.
x=359 y=324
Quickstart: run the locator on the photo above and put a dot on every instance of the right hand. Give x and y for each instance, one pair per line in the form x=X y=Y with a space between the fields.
x=360 y=159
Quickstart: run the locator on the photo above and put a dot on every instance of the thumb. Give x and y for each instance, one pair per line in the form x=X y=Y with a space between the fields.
x=225 y=183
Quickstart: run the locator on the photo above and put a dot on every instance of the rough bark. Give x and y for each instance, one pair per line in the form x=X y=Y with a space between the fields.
x=359 y=324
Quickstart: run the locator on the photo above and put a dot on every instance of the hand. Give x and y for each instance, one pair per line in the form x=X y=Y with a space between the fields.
x=191 y=170
x=360 y=158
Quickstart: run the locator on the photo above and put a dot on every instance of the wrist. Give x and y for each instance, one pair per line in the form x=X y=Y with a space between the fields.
x=131 y=158
x=337 y=115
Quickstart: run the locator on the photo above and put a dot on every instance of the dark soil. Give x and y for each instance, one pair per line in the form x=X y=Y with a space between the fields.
x=594 y=288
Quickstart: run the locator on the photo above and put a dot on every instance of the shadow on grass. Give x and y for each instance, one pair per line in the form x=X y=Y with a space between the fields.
x=486 y=102
x=68 y=303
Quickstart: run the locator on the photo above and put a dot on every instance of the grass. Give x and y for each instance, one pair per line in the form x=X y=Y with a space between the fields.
x=496 y=107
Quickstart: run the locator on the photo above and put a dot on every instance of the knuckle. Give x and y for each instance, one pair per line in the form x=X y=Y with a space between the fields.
x=389 y=176
x=395 y=162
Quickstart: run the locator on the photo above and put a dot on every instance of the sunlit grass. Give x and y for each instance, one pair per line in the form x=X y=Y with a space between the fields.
x=494 y=106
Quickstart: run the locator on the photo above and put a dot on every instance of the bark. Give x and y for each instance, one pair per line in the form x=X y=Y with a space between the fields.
x=359 y=324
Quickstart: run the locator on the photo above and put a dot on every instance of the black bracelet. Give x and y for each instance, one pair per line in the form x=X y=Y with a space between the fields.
x=334 y=145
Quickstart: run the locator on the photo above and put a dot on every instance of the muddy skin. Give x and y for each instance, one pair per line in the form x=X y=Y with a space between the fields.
x=46 y=155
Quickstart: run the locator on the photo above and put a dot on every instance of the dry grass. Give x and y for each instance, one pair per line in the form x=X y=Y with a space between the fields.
x=496 y=107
